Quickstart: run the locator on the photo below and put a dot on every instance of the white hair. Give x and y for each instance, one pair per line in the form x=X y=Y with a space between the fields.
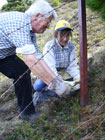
x=42 y=7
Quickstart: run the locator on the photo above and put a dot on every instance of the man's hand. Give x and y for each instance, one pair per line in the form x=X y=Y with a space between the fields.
x=75 y=85
x=60 y=87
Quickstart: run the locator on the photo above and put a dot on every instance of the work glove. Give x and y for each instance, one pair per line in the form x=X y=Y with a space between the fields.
x=75 y=85
x=60 y=87
x=77 y=80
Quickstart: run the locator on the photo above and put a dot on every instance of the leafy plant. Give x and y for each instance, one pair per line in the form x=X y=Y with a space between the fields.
x=98 y=6
x=17 y=5
x=56 y=2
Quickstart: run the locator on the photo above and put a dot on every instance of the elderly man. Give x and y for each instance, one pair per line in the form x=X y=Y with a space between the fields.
x=17 y=35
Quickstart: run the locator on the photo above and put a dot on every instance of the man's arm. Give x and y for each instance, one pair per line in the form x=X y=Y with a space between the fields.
x=39 y=68
x=42 y=70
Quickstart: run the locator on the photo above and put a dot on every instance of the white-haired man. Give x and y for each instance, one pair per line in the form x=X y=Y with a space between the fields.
x=17 y=35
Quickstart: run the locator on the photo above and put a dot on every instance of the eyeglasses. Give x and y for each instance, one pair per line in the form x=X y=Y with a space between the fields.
x=47 y=21
x=64 y=35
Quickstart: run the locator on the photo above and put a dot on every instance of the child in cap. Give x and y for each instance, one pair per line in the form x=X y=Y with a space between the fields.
x=61 y=57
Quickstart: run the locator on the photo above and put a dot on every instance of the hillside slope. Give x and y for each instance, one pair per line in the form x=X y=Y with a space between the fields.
x=63 y=119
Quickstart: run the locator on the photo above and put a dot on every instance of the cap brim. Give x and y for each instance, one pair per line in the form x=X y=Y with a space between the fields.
x=63 y=28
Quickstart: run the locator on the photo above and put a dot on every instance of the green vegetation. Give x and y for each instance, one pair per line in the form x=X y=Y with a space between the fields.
x=56 y=2
x=17 y=5
x=97 y=5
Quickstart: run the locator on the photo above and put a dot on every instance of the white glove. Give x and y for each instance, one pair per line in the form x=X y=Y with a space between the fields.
x=75 y=85
x=59 y=87
x=77 y=79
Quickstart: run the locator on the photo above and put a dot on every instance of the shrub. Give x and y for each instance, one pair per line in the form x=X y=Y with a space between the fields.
x=56 y=2
x=97 y=5
x=17 y=5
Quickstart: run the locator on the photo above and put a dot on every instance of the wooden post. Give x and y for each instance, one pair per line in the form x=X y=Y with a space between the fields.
x=83 y=53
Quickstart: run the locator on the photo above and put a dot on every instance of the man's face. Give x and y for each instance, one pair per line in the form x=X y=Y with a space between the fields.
x=40 y=24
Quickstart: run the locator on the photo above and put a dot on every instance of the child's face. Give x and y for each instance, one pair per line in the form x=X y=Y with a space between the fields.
x=63 y=37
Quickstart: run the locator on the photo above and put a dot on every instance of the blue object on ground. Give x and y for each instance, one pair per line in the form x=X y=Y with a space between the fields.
x=39 y=85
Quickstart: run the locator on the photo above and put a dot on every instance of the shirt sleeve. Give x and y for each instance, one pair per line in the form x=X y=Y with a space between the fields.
x=27 y=49
x=73 y=68
x=23 y=40
x=49 y=57
x=19 y=35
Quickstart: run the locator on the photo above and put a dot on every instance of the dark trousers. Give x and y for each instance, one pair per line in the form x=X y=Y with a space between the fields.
x=13 y=67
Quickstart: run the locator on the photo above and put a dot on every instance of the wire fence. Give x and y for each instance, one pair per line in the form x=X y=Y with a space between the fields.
x=3 y=94
x=74 y=26
x=94 y=115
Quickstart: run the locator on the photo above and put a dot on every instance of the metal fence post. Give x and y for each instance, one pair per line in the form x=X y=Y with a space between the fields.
x=83 y=53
